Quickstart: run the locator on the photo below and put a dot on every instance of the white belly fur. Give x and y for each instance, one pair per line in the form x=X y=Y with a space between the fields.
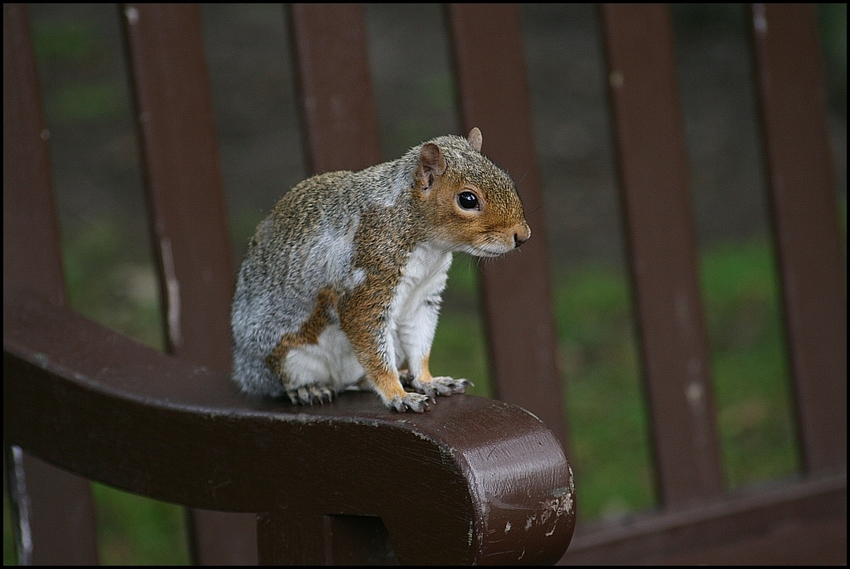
x=413 y=327
x=331 y=361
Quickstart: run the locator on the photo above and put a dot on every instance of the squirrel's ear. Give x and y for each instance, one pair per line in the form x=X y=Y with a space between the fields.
x=431 y=163
x=475 y=138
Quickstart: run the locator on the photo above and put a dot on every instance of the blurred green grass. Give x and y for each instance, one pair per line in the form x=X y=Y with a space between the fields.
x=607 y=419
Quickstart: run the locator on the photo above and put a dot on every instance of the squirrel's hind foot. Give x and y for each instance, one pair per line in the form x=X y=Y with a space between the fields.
x=310 y=394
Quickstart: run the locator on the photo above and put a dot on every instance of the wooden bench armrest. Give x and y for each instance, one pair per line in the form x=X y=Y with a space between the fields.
x=472 y=481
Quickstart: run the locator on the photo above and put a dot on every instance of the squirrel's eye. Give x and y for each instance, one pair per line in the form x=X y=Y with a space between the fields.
x=467 y=200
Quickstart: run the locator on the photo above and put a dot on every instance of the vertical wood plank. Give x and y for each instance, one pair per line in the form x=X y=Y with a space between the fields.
x=183 y=180
x=661 y=241
x=53 y=513
x=340 y=131
x=188 y=220
x=30 y=224
x=291 y=540
x=55 y=520
x=493 y=90
x=801 y=188
x=339 y=120
x=323 y=540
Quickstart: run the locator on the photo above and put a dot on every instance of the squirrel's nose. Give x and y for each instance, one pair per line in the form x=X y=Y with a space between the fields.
x=522 y=235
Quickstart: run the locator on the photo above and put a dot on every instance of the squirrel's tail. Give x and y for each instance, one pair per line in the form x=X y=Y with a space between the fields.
x=254 y=376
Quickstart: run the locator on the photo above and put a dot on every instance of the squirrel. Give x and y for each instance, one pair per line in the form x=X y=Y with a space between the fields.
x=342 y=283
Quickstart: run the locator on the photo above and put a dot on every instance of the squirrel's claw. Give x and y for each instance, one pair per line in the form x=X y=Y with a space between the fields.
x=307 y=395
x=441 y=386
x=413 y=401
x=293 y=396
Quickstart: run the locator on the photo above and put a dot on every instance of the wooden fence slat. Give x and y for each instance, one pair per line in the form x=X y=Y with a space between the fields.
x=324 y=540
x=662 y=249
x=516 y=290
x=183 y=181
x=789 y=71
x=304 y=544
x=31 y=225
x=340 y=130
x=58 y=515
x=339 y=120
x=188 y=220
x=54 y=507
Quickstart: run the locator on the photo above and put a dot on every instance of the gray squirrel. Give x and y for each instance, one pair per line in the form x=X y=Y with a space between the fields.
x=342 y=282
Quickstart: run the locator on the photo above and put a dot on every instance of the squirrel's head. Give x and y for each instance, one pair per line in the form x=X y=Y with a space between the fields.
x=471 y=203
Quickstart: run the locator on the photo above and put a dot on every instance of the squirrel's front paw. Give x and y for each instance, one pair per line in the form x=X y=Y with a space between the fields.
x=413 y=401
x=440 y=386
